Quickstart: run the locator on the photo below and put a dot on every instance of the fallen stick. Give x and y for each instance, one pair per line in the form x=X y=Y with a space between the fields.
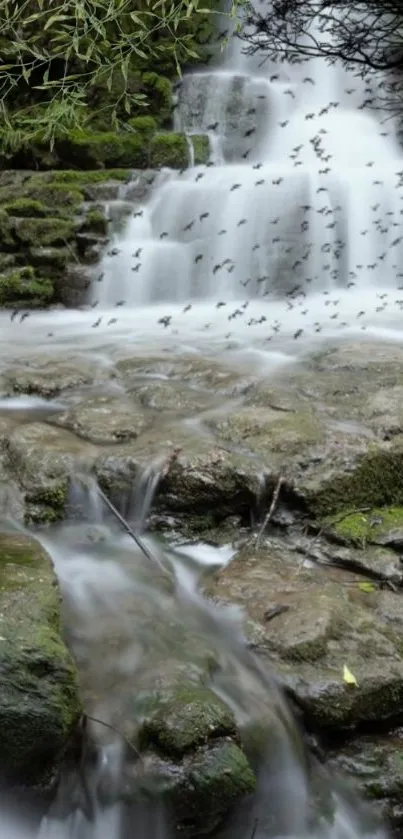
x=136 y=538
x=272 y=509
x=116 y=730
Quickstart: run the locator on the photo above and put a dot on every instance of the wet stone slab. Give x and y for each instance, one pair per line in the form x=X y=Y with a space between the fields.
x=326 y=620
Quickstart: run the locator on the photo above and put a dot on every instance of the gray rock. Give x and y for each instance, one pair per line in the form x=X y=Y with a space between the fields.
x=330 y=622
x=104 y=419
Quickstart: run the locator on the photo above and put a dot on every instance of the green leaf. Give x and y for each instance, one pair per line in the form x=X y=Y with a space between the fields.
x=367 y=587
x=55 y=19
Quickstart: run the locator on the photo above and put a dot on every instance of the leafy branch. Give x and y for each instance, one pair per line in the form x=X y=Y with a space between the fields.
x=54 y=52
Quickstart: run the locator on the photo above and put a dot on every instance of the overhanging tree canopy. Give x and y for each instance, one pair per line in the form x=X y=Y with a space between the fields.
x=364 y=33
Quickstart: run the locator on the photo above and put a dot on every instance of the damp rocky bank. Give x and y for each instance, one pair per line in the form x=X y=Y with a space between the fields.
x=320 y=588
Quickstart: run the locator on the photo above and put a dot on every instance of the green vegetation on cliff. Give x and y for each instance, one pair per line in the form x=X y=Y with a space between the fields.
x=85 y=66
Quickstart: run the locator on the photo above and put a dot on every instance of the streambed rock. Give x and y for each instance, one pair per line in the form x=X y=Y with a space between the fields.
x=198 y=792
x=48 y=379
x=322 y=425
x=104 y=419
x=39 y=699
x=43 y=459
x=374 y=766
x=310 y=622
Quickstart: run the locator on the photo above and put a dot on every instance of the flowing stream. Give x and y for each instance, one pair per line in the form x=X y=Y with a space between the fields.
x=291 y=234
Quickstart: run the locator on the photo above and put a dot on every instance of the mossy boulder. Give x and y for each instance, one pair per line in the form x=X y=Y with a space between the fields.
x=25 y=208
x=55 y=197
x=187 y=718
x=103 y=150
x=24 y=288
x=201 y=148
x=199 y=792
x=145 y=125
x=87 y=178
x=379 y=526
x=33 y=232
x=39 y=699
x=95 y=221
x=169 y=149
x=7 y=240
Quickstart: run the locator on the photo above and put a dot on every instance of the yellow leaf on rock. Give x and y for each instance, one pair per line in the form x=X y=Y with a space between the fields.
x=349 y=677
x=367 y=587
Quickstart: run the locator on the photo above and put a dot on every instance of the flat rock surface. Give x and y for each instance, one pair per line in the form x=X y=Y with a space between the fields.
x=310 y=623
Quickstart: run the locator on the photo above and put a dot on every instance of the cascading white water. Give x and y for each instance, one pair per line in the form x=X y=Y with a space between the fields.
x=305 y=194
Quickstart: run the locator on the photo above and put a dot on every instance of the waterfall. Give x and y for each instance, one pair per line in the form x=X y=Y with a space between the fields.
x=304 y=190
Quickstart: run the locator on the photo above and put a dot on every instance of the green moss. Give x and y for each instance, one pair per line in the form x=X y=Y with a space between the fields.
x=23 y=207
x=169 y=149
x=201 y=148
x=103 y=150
x=187 y=718
x=7 y=260
x=72 y=176
x=7 y=239
x=47 y=231
x=22 y=287
x=216 y=779
x=39 y=700
x=54 y=495
x=362 y=528
x=376 y=480
x=95 y=222
x=144 y=125
x=55 y=197
x=158 y=90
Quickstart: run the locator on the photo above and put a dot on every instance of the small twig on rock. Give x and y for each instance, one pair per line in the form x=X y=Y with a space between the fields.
x=273 y=506
x=136 y=538
x=116 y=730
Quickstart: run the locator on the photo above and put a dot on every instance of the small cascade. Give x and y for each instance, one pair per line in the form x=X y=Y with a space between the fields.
x=112 y=590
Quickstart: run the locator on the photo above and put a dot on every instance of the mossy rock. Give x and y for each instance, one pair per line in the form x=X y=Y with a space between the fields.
x=26 y=208
x=367 y=526
x=144 y=125
x=50 y=261
x=216 y=779
x=7 y=239
x=54 y=197
x=198 y=792
x=375 y=480
x=39 y=699
x=77 y=178
x=7 y=260
x=201 y=148
x=187 y=718
x=158 y=90
x=169 y=149
x=47 y=504
x=103 y=150
x=44 y=232
x=23 y=288
x=95 y=222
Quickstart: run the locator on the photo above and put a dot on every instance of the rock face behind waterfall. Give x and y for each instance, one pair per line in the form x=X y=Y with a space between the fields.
x=39 y=700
